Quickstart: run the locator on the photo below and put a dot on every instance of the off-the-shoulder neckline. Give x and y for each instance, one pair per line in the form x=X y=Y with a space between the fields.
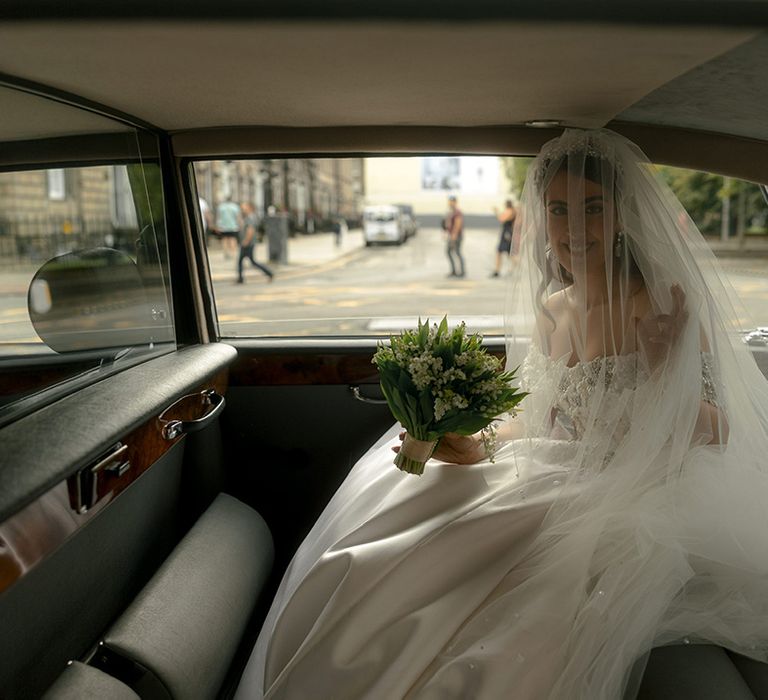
x=583 y=363
x=600 y=358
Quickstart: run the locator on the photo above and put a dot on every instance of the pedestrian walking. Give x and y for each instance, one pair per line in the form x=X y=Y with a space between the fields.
x=248 y=243
x=454 y=229
x=228 y=225
x=507 y=220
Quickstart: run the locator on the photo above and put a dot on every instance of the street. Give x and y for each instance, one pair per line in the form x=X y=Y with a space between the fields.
x=353 y=290
x=379 y=290
x=363 y=291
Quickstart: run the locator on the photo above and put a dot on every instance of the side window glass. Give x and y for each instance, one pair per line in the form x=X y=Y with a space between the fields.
x=83 y=255
x=357 y=246
x=732 y=215
x=354 y=246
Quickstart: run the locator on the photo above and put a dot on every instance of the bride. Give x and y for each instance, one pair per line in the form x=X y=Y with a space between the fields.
x=626 y=506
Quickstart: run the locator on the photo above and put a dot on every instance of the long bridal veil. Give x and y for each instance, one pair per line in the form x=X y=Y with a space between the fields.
x=630 y=509
x=629 y=337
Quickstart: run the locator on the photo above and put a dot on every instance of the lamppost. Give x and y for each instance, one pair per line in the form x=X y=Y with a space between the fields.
x=265 y=174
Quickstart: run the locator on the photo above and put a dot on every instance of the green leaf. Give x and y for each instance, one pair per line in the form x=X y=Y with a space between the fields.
x=405 y=383
x=427 y=406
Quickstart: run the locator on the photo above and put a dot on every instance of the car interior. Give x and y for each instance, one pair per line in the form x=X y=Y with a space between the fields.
x=157 y=472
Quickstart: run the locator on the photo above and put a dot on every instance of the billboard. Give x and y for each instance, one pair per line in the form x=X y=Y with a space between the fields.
x=460 y=174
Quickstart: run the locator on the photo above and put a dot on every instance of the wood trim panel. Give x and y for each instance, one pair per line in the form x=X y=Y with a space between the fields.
x=285 y=369
x=38 y=530
x=19 y=381
x=306 y=369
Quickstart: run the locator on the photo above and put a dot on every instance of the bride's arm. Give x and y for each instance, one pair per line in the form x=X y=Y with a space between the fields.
x=657 y=334
x=470 y=449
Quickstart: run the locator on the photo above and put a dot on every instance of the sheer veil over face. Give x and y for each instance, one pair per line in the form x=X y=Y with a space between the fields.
x=611 y=266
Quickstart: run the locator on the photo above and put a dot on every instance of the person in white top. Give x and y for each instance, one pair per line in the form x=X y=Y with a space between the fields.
x=206 y=215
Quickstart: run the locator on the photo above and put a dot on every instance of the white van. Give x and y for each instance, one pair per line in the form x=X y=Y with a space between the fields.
x=383 y=223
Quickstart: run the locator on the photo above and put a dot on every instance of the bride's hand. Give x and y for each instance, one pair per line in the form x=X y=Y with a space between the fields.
x=456 y=449
x=657 y=335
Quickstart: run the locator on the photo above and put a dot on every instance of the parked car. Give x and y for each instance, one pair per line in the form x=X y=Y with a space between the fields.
x=384 y=223
x=409 y=220
x=156 y=473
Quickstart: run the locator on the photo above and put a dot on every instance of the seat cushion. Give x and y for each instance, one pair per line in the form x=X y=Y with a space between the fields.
x=692 y=672
x=754 y=673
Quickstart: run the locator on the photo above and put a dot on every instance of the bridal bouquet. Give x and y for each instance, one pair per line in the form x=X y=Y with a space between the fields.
x=439 y=381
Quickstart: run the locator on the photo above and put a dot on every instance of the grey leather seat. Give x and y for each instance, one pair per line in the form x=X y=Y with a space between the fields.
x=184 y=627
x=82 y=682
x=702 y=672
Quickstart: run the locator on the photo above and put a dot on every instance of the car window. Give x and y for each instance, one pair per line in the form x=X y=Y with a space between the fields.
x=732 y=215
x=83 y=253
x=358 y=246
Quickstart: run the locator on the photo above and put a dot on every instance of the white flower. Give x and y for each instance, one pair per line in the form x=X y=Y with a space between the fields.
x=424 y=369
x=448 y=400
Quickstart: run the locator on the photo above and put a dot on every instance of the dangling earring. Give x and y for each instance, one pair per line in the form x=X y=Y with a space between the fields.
x=619 y=245
x=551 y=263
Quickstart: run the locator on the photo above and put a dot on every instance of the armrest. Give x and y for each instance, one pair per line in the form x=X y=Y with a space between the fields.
x=185 y=625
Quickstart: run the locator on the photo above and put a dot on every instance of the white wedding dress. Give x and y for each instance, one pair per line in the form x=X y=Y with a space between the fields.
x=610 y=528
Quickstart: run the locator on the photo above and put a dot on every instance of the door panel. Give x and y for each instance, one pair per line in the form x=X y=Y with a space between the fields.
x=293 y=429
x=66 y=575
x=58 y=610
x=289 y=448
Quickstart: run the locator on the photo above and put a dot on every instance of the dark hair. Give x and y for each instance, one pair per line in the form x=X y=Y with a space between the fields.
x=508 y=203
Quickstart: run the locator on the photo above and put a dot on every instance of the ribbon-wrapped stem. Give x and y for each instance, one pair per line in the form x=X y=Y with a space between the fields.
x=414 y=454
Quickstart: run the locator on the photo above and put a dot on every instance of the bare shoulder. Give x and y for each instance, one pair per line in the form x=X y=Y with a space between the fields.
x=551 y=312
x=555 y=302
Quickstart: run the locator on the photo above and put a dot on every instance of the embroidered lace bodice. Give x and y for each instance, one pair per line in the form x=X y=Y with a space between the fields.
x=614 y=378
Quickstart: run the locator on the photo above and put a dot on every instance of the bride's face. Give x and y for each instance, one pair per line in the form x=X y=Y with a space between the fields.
x=580 y=228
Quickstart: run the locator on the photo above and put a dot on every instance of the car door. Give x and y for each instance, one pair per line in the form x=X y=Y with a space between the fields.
x=304 y=401
x=98 y=348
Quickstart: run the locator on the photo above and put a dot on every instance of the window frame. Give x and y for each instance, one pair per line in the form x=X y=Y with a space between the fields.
x=148 y=144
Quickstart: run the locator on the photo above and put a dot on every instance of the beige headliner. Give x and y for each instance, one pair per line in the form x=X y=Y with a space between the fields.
x=181 y=76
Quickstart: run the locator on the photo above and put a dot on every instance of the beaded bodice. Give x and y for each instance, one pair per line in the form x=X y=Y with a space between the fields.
x=596 y=393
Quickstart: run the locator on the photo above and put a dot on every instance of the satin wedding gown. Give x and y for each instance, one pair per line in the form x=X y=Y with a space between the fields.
x=610 y=527
x=431 y=587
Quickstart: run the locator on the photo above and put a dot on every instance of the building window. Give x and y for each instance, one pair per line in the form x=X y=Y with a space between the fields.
x=57 y=184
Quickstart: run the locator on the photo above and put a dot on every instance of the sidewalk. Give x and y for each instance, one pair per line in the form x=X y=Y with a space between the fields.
x=753 y=246
x=306 y=254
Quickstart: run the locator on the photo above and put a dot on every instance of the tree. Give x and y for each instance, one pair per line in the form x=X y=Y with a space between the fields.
x=705 y=196
x=516 y=168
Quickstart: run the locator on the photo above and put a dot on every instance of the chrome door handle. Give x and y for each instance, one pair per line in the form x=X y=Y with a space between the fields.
x=356 y=393
x=173 y=428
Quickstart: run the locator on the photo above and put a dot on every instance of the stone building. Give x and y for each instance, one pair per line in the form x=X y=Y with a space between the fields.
x=44 y=213
x=313 y=191
x=48 y=212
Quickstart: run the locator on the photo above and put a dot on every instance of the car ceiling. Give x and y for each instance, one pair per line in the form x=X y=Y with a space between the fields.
x=202 y=77
x=198 y=75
